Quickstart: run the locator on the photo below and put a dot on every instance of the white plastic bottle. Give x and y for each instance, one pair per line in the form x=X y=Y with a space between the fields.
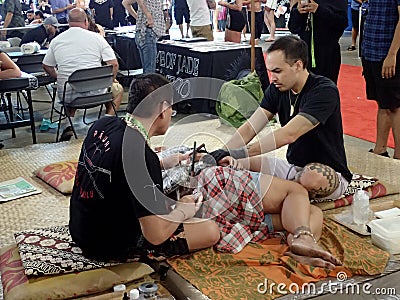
x=360 y=207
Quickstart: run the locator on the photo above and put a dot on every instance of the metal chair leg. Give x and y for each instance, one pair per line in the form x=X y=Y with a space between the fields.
x=10 y=111
x=59 y=123
x=32 y=119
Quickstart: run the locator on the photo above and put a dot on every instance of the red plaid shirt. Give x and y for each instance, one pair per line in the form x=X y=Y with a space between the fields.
x=232 y=201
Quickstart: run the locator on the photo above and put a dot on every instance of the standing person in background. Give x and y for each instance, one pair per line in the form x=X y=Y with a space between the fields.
x=269 y=18
x=181 y=10
x=258 y=20
x=150 y=27
x=200 y=18
x=102 y=10
x=166 y=5
x=12 y=15
x=355 y=21
x=60 y=10
x=320 y=24
x=235 y=21
x=381 y=69
x=44 y=7
x=119 y=14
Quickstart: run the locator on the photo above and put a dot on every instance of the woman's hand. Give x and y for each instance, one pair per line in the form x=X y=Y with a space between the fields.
x=223 y=3
x=304 y=7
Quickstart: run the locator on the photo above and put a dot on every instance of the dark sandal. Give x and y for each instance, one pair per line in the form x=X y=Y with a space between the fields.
x=384 y=154
x=351 y=48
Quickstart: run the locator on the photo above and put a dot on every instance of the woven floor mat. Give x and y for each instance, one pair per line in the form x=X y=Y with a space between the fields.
x=41 y=210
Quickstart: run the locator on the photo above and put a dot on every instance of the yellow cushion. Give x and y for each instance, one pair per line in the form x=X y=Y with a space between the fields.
x=59 y=175
x=17 y=286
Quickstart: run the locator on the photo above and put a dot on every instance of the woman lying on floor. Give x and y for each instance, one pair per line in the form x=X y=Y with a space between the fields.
x=252 y=206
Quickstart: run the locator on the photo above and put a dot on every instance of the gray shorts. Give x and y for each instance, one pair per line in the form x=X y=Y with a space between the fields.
x=281 y=168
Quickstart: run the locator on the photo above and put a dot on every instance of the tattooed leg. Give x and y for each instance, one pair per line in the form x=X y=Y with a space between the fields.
x=320 y=180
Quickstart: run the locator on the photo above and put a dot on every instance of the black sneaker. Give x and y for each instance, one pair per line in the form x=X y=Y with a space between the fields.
x=66 y=134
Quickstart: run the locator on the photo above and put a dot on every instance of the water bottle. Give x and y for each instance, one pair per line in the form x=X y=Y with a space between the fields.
x=361 y=207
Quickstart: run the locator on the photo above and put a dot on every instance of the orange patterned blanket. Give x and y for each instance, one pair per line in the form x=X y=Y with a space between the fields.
x=257 y=271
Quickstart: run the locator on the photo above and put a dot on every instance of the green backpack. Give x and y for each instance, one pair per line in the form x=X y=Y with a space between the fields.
x=238 y=99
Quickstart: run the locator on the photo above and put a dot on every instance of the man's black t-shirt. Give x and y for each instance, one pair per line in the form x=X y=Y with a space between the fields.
x=104 y=211
x=102 y=13
x=37 y=34
x=324 y=144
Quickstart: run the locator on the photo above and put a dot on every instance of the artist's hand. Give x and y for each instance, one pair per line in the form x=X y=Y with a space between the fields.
x=230 y=161
x=173 y=160
x=389 y=66
x=150 y=21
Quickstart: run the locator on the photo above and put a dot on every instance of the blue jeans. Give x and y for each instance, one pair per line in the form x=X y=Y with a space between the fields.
x=147 y=46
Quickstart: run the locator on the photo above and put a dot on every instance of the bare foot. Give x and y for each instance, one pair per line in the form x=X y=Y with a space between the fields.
x=311 y=261
x=305 y=246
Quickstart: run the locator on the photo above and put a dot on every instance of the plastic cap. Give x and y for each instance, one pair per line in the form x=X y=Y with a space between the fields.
x=134 y=294
x=119 y=288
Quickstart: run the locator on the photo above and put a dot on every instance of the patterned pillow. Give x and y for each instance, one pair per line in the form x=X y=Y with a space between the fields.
x=17 y=286
x=372 y=185
x=50 y=251
x=60 y=175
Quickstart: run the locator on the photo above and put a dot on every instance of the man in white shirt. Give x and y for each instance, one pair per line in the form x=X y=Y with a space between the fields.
x=75 y=49
x=200 y=18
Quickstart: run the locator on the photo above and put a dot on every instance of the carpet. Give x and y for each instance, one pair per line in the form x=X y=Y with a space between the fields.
x=358 y=113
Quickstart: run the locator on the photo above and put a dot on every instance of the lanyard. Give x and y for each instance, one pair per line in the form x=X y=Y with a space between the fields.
x=135 y=124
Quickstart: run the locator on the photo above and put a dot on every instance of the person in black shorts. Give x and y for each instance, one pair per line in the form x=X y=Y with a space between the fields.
x=181 y=10
x=381 y=69
x=117 y=207
x=355 y=23
x=235 y=21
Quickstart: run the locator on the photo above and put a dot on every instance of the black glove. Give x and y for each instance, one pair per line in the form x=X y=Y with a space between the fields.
x=219 y=154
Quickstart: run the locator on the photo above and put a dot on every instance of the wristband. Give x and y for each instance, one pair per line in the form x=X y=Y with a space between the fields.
x=239 y=152
x=172 y=214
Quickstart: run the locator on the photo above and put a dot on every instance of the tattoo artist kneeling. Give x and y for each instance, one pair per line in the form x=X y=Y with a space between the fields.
x=308 y=107
x=118 y=209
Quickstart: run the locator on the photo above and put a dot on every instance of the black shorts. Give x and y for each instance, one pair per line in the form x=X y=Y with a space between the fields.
x=355 y=19
x=142 y=250
x=386 y=92
x=235 y=20
x=176 y=245
x=180 y=13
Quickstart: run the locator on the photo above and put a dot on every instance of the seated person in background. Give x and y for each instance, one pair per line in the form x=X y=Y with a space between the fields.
x=64 y=52
x=30 y=16
x=42 y=34
x=8 y=68
x=119 y=180
x=39 y=17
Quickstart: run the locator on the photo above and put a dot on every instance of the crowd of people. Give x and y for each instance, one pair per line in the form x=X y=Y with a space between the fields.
x=303 y=93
